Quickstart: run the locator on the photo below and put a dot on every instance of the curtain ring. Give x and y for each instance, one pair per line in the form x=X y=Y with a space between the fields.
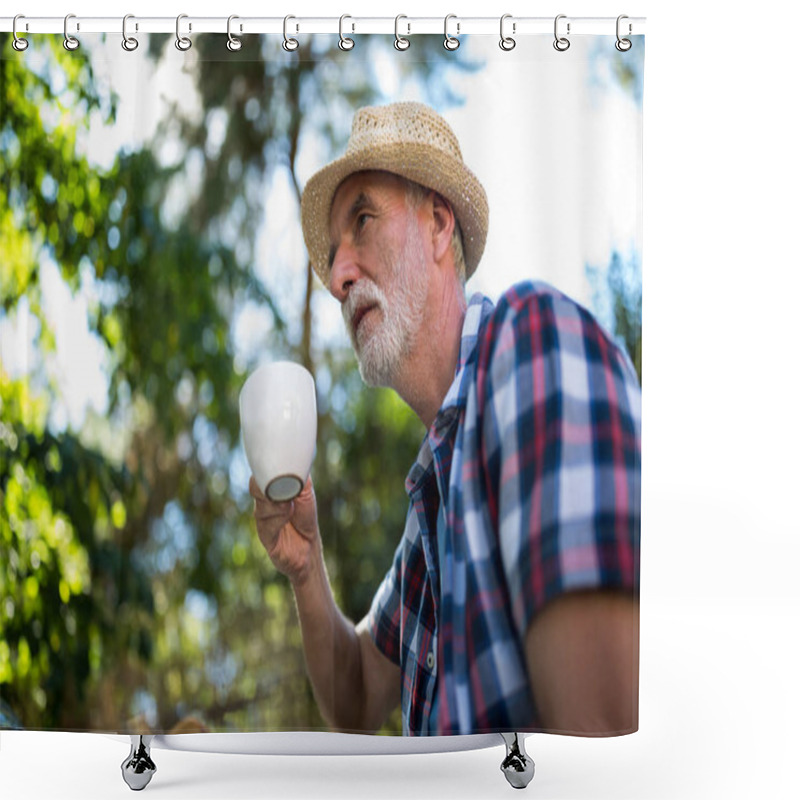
x=506 y=42
x=128 y=42
x=400 y=43
x=70 y=42
x=233 y=44
x=623 y=45
x=182 y=42
x=18 y=44
x=450 y=42
x=561 y=43
x=345 y=43
x=289 y=44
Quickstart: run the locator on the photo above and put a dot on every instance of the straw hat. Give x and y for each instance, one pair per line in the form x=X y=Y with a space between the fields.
x=411 y=140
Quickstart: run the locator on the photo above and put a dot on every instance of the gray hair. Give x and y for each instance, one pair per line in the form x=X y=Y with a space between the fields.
x=415 y=194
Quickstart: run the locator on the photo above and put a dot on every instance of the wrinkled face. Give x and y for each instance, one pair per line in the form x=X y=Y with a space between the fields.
x=379 y=271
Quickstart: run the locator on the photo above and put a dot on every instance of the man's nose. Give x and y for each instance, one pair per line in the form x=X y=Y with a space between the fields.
x=344 y=271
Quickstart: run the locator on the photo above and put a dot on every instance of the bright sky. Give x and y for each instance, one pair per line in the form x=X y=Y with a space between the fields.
x=560 y=164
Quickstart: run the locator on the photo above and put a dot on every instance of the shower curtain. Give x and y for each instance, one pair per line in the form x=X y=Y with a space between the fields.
x=152 y=255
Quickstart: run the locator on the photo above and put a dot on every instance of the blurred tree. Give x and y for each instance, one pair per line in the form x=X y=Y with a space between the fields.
x=617 y=286
x=618 y=302
x=76 y=596
x=61 y=503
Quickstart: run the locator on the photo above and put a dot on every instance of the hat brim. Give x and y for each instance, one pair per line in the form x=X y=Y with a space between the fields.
x=421 y=163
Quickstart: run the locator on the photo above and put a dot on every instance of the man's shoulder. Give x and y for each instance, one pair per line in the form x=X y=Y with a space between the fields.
x=531 y=303
x=534 y=318
x=525 y=294
x=534 y=321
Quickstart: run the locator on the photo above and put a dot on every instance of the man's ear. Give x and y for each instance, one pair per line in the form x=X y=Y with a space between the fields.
x=444 y=223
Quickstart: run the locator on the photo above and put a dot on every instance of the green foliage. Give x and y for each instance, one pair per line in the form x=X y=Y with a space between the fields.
x=618 y=302
x=59 y=500
x=49 y=196
x=68 y=594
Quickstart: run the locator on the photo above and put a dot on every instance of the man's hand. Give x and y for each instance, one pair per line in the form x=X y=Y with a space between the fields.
x=288 y=531
x=356 y=686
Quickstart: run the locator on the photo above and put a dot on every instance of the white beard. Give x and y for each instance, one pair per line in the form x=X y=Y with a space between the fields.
x=389 y=332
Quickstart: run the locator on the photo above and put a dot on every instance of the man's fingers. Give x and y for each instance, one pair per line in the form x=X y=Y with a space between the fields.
x=254 y=489
x=263 y=501
x=286 y=529
x=263 y=514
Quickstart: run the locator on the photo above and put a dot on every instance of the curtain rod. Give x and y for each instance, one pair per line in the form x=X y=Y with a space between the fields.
x=312 y=25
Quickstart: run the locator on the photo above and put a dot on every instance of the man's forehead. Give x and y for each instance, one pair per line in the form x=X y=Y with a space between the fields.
x=368 y=182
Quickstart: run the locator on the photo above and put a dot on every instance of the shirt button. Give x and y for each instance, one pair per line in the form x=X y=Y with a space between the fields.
x=431 y=660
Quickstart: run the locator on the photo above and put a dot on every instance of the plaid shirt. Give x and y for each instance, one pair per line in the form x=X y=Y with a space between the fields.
x=526 y=486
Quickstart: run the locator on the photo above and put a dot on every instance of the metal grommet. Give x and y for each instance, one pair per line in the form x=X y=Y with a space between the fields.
x=623 y=45
x=450 y=42
x=128 y=42
x=345 y=43
x=19 y=44
x=182 y=42
x=289 y=44
x=233 y=44
x=561 y=43
x=506 y=42
x=70 y=42
x=401 y=43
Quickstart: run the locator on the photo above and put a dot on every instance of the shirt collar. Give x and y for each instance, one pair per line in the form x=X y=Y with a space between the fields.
x=478 y=310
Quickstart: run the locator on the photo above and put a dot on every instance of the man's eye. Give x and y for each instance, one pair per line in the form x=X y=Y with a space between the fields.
x=361 y=220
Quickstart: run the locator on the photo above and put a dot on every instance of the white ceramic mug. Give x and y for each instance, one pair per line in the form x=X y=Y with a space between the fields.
x=278 y=414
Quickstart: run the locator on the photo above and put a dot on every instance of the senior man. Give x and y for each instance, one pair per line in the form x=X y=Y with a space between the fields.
x=512 y=601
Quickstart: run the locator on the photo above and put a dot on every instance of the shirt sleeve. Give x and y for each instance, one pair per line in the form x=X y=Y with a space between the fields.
x=383 y=617
x=561 y=452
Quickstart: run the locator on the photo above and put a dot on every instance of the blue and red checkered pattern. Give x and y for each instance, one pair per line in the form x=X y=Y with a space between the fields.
x=535 y=459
